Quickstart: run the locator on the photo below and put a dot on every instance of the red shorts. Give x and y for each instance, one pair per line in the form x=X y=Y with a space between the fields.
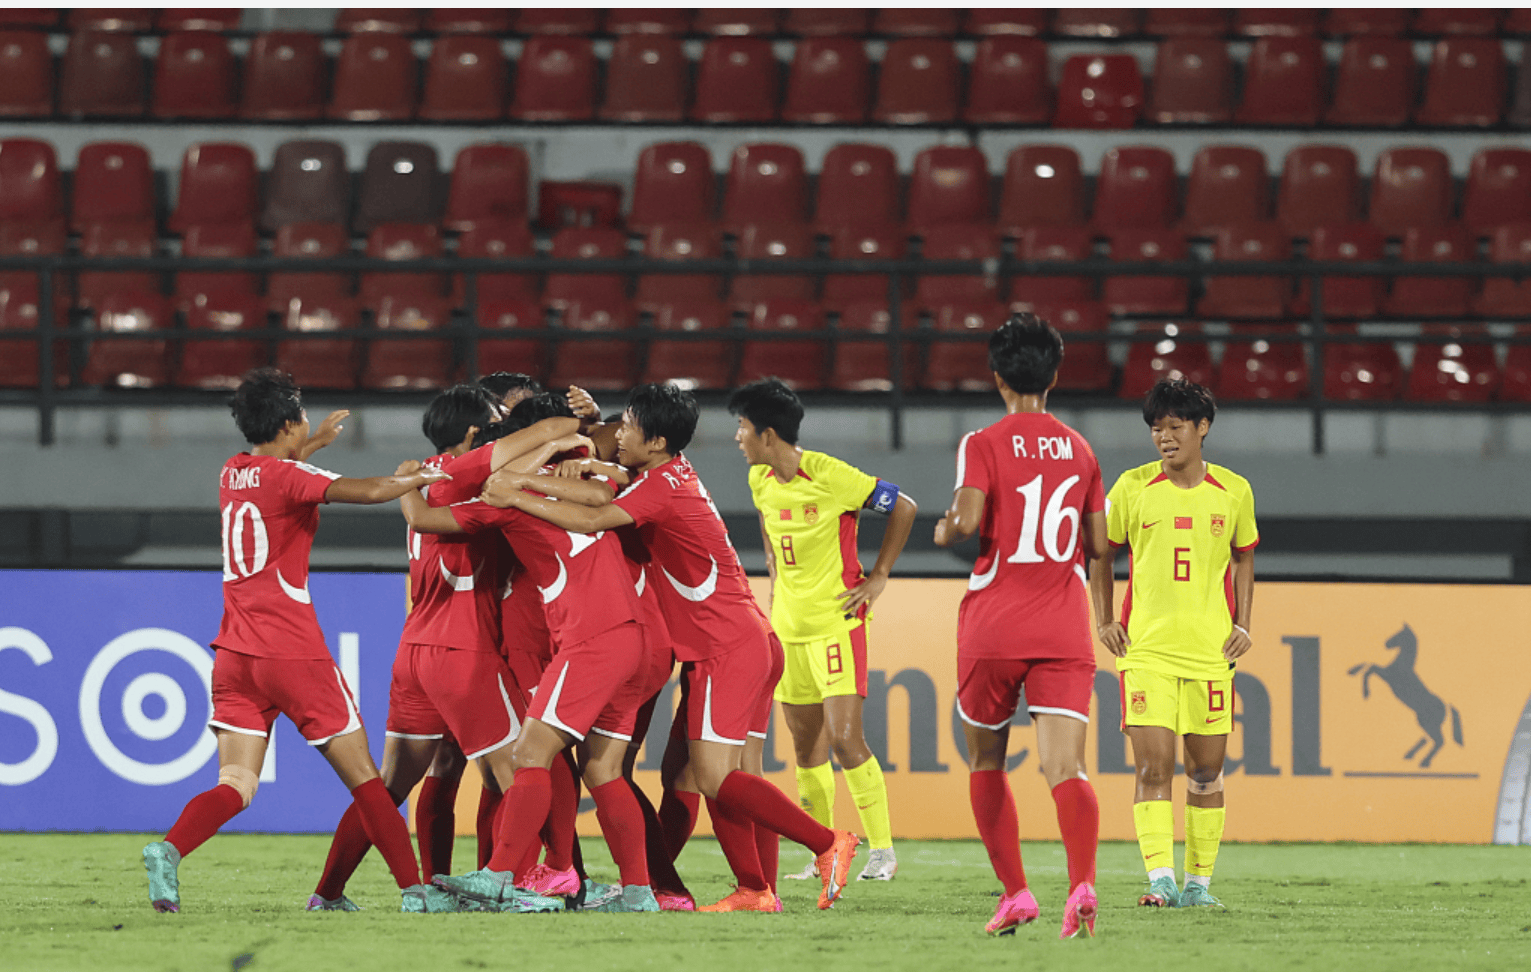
x=248 y=692
x=578 y=690
x=527 y=667
x=621 y=716
x=729 y=696
x=471 y=694
x=989 y=689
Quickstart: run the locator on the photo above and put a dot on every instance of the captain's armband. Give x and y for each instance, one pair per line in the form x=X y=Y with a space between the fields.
x=883 y=498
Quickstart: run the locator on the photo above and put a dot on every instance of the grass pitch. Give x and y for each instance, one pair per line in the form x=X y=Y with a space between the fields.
x=80 y=902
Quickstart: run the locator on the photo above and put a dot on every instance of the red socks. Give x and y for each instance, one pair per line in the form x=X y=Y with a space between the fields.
x=488 y=806
x=998 y=825
x=558 y=832
x=347 y=849
x=436 y=825
x=768 y=846
x=736 y=836
x=1079 y=822
x=203 y=815
x=521 y=817
x=677 y=815
x=770 y=808
x=616 y=809
x=387 y=830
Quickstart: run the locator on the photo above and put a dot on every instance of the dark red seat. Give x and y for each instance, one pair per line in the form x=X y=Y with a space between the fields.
x=1258 y=369
x=122 y=20
x=385 y=20
x=674 y=183
x=468 y=20
x=1506 y=296
x=1136 y=190
x=555 y=80
x=1463 y=369
x=1142 y=294
x=1193 y=82
x=858 y=189
x=766 y=184
x=1185 y=22
x=1096 y=22
x=29 y=181
x=26 y=75
x=200 y=289
x=314 y=302
x=644 y=20
x=376 y=79
x=920 y=83
x=773 y=241
x=1515 y=377
x=864 y=365
x=558 y=21
x=195 y=76
x=406 y=302
x=647 y=78
x=1354 y=371
x=829 y=83
x=1498 y=189
x=683 y=243
x=1466 y=84
x=1276 y=22
x=1008 y=83
x=21 y=297
x=954 y=241
x=841 y=290
x=401 y=184
x=308 y=183
x=1352 y=298
x=1432 y=296
x=465 y=79
x=402 y=241
x=1048 y=244
x=284 y=77
x=599 y=365
x=1374 y=84
x=916 y=22
x=1458 y=22
x=827 y=21
x=1411 y=187
x=29 y=17
x=736 y=21
x=492 y=239
x=221 y=364
x=118 y=240
x=950 y=184
x=112 y=181
x=1380 y=21
x=737 y=80
x=102 y=75
x=1017 y=22
x=1519 y=114
x=564 y=204
x=1165 y=351
x=1283 y=83
x=1319 y=186
x=1086 y=364
x=594 y=243
x=219 y=184
x=1228 y=186
x=962 y=365
x=1043 y=187
x=489 y=184
x=134 y=362
x=1249 y=298
x=1099 y=91
x=525 y=354
x=799 y=364
x=706 y=365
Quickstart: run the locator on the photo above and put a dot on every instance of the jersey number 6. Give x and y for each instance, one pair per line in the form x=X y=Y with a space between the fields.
x=1052 y=521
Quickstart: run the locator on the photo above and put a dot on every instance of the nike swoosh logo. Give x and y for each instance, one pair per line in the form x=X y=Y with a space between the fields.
x=457 y=583
x=299 y=594
x=1212 y=719
x=551 y=592
x=978 y=582
x=1147 y=525
x=643 y=580
x=699 y=593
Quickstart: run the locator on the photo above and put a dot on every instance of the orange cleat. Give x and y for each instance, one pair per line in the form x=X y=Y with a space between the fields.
x=835 y=867
x=745 y=899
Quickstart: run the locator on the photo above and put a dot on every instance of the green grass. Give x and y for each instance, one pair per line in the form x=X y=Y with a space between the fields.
x=80 y=902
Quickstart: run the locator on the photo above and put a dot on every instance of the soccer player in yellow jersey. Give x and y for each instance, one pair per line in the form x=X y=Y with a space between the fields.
x=1190 y=528
x=821 y=601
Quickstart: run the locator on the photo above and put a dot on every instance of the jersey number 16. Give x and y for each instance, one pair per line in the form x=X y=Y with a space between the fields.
x=1051 y=521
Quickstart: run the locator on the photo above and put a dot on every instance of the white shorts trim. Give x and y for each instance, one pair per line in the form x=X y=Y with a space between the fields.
x=996 y=727
x=515 y=725
x=757 y=735
x=708 y=735
x=1051 y=710
x=597 y=730
x=353 y=723
x=409 y=735
x=264 y=734
x=550 y=711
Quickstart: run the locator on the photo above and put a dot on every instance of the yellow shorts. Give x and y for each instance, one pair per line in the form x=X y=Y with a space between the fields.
x=1185 y=706
x=824 y=668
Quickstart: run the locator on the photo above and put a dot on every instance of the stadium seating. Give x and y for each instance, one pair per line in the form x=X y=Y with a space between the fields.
x=555 y=80
x=1506 y=296
x=26 y=74
x=491 y=239
x=736 y=81
x=308 y=183
x=465 y=80
x=221 y=364
x=1164 y=351
x=1138 y=295
x=283 y=78
x=1345 y=298
x=1355 y=371
x=219 y=184
x=406 y=302
x=527 y=355
x=766 y=184
x=195 y=76
x=1052 y=243
x=647 y=21
x=1319 y=186
x=1248 y=298
x=401 y=184
x=469 y=20
x=916 y=21
x=102 y=76
x=858 y=189
x=991 y=21
x=1466 y=84
x=680 y=242
x=1498 y=190
x=20 y=302
x=1008 y=84
x=1193 y=82
x=1099 y=91
x=949 y=184
x=489 y=184
x=1412 y=296
x=958 y=241
x=113 y=181
x=691 y=364
x=849 y=244
x=1374 y=84
x=376 y=79
x=1283 y=83
x=202 y=290
x=1087 y=366
x=318 y=302
x=829 y=83
x=674 y=183
x=647 y=79
x=1411 y=187
x=800 y=364
x=920 y=83
x=1463 y=369
x=1227 y=187
x=773 y=241
x=952 y=365
x=1043 y=186
x=1259 y=369
x=1136 y=190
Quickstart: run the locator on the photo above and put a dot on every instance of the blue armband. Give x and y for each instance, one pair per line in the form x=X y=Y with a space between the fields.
x=884 y=496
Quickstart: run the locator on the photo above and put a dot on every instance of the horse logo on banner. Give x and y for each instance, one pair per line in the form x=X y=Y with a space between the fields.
x=1429 y=709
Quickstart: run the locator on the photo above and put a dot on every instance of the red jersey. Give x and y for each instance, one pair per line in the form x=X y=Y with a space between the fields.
x=469 y=471
x=1027 y=596
x=702 y=589
x=455 y=582
x=270 y=510
x=523 y=621
x=584 y=579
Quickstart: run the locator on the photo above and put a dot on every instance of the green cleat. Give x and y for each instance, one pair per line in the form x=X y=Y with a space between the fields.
x=592 y=895
x=422 y=899
x=1162 y=893
x=1196 y=895
x=484 y=886
x=632 y=897
x=521 y=901
x=161 y=860
x=342 y=903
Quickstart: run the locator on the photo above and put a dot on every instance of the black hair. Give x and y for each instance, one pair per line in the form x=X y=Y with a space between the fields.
x=454 y=411
x=533 y=409
x=1179 y=398
x=769 y=404
x=502 y=383
x=265 y=401
x=1026 y=352
x=493 y=432
x=664 y=410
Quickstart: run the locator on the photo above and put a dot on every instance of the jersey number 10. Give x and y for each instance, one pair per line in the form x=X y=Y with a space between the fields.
x=234 y=520
x=1051 y=521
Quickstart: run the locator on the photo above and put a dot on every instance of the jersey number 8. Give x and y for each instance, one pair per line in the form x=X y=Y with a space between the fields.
x=1051 y=522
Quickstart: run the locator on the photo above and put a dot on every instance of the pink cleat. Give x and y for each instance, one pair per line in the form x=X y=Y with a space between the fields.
x=1079 y=913
x=549 y=883
x=1014 y=911
x=670 y=901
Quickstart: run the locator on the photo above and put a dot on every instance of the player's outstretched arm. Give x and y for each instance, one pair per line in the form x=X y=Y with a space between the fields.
x=585 y=492
x=962 y=519
x=900 y=522
x=425 y=518
x=381 y=489
x=540 y=456
x=565 y=516
x=1243 y=603
x=1103 y=596
x=532 y=437
x=324 y=434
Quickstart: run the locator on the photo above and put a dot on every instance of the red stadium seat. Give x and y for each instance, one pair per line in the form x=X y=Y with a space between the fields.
x=555 y=80
x=401 y=184
x=674 y=183
x=916 y=22
x=221 y=364
x=1517 y=22
x=1050 y=244
x=646 y=80
x=489 y=184
x=219 y=184
x=703 y=365
x=1351 y=298
x=565 y=204
x=406 y=302
x=736 y=21
x=1283 y=83
x=1096 y=22
x=1466 y=84
x=376 y=79
x=112 y=181
x=596 y=243
x=102 y=75
x=737 y=80
x=29 y=181
x=920 y=83
x=766 y=184
x=527 y=355
x=195 y=76
x=26 y=75
x=1515 y=377
x=864 y=365
x=558 y=21
x=1464 y=369
x=1432 y=296
x=1506 y=296
x=993 y=21
x=1170 y=351
x=284 y=77
x=799 y=364
x=20 y=300
x=468 y=20
x=1458 y=22
x=1374 y=84
x=199 y=18
x=1360 y=372
x=1193 y=82
x=1099 y=91
x=133 y=362
x=773 y=241
x=308 y=183
x=962 y=365
x=385 y=20
x=29 y=17
x=1258 y=369
x=1147 y=295
x=1228 y=187
x=1086 y=365
x=1043 y=187
x=858 y=188
x=842 y=290
x=1008 y=83
x=201 y=290
x=1136 y=189
x=636 y=20
x=314 y=302
x=465 y=80
x=1379 y=21
x=1498 y=189
x=830 y=82
x=599 y=365
x=827 y=21
x=1276 y=22
x=954 y=241
x=1185 y=22
x=681 y=243
x=1411 y=187
x=402 y=241
x=117 y=240
x=1319 y=186
x=127 y=21
x=1519 y=115
x=949 y=185
x=1249 y=298
x=492 y=239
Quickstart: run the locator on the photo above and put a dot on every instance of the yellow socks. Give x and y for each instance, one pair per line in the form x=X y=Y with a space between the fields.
x=816 y=792
x=1203 y=836
x=1155 y=822
x=870 y=792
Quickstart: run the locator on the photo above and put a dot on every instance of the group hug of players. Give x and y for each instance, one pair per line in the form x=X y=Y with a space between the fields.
x=561 y=566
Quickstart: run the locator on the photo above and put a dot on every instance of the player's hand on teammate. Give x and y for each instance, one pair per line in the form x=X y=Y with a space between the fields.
x=1114 y=636
x=503 y=489
x=408 y=467
x=582 y=403
x=862 y=595
x=1237 y=644
x=571 y=442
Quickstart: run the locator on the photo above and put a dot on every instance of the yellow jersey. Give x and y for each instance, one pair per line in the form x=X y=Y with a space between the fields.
x=810 y=523
x=1179 y=606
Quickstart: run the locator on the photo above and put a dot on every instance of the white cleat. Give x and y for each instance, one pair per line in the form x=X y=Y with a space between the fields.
x=882 y=864
x=809 y=873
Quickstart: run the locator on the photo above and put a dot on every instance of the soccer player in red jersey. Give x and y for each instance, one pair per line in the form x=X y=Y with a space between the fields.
x=271 y=657
x=732 y=658
x=1031 y=488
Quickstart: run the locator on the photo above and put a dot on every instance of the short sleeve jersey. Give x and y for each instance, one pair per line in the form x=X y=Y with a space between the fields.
x=702 y=588
x=1179 y=605
x=523 y=621
x=811 y=522
x=455 y=581
x=1027 y=595
x=468 y=471
x=270 y=510
x=584 y=580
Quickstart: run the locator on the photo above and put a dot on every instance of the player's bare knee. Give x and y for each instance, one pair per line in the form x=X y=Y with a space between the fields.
x=1203 y=782
x=1152 y=775
x=1058 y=769
x=244 y=781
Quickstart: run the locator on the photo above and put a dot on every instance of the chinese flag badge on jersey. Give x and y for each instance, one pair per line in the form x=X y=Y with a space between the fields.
x=1182 y=523
x=786 y=514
